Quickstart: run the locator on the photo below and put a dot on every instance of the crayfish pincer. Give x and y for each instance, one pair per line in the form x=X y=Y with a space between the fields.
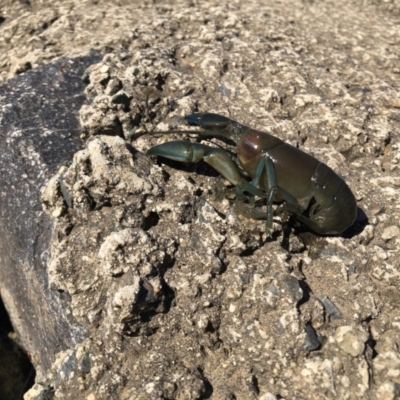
x=306 y=187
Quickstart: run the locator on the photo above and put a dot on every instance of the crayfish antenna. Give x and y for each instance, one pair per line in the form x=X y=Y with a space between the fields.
x=188 y=132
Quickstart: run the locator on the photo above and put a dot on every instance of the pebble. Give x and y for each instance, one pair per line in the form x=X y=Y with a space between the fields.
x=387 y=391
x=390 y=232
x=351 y=340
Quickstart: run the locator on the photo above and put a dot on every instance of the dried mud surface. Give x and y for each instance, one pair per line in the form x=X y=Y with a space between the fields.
x=184 y=297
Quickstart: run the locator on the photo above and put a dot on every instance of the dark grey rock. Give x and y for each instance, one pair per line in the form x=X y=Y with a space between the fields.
x=330 y=308
x=39 y=131
x=311 y=341
x=292 y=285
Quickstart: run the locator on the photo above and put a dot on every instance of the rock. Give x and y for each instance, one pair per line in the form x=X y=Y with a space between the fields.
x=388 y=391
x=268 y=396
x=39 y=392
x=351 y=340
x=312 y=341
x=330 y=308
x=40 y=132
x=292 y=286
x=387 y=365
x=391 y=232
x=178 y=292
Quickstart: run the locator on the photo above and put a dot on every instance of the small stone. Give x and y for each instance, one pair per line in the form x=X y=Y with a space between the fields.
x=351 y=340
x=387 y=391
x=396 y=103
x=329 y=307
x=203 y=322
x=390 y=232
x=388 y=365
x=292 y=286
x=124 y=300
x=112 y=87
x=21 y=66
x=311 y=341
x=57 y=212
x=268 y=396
x=38 y=391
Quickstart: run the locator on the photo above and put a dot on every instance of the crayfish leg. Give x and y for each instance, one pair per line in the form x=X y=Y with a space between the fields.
x=180 y=150
x=266 y=167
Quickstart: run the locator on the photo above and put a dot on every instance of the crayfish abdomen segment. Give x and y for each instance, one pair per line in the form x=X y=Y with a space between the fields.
x=337 y=209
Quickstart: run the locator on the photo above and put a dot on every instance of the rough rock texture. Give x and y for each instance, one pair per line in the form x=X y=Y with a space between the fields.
x=182 y=296
x=39 y=130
